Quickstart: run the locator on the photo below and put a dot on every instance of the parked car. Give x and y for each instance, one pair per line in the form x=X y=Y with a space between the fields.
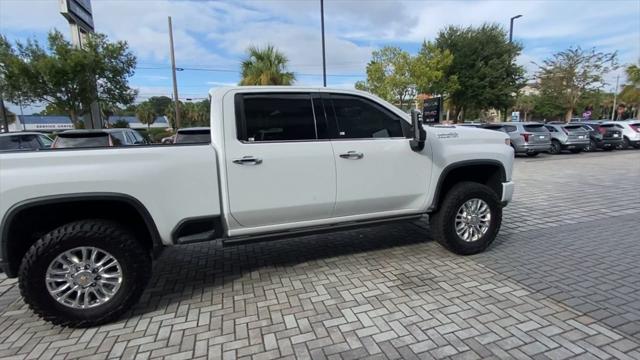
x=168 y=139
x=24 y=141
x=193 y=135
x=285 y=161
x=630 y=132
x=529 y=138
x=98 y=138
x=601 y=136
x=563 y=137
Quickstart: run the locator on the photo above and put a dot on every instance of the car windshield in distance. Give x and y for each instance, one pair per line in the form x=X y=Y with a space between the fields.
x=535 y=128
x=82 y=140
x=193 y=137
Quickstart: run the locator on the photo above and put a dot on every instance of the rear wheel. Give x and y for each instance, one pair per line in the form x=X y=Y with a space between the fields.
x=84 y=273
x=468 y=219
x=591 y=147
x=625 y=144
x=556 y=148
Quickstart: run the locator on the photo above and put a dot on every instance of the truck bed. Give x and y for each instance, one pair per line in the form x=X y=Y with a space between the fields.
x=171 y=182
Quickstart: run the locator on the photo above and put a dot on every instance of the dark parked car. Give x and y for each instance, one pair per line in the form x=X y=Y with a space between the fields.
x=193 y=135
x=98 y=138
x=24 y=141
x=601 y=136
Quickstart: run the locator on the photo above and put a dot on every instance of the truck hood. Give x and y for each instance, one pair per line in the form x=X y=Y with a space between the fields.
x=452 y=134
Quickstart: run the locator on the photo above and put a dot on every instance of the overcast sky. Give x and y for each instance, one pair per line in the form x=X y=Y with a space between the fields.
x=213 y=35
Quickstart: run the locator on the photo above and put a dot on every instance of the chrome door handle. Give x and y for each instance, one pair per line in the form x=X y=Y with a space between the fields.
x=352 y=155
x=248 y=160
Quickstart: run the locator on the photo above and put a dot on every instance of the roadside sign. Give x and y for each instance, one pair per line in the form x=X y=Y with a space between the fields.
x=515 y=116
x=78 y=12
x=431 y=110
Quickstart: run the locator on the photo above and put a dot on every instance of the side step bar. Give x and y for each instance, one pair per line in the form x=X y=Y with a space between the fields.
x=241 y=240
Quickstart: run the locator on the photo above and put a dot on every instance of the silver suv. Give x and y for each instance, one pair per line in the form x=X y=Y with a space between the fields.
x=563 y=137
x=529 y=138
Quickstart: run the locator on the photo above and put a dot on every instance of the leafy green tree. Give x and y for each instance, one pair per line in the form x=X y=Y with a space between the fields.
x=197 y=113
x=429 y=70
x=159 y=104
x=569 y=74
x=145 y=114
x=170 y=112
x=67 y=77
x=389 y=74
x=265 y=66
x=630 y=93
x=525 y=104
x=483 y=64
x=120 y=123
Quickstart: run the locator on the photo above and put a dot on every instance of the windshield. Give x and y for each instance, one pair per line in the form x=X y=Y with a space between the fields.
x=535 y=128
x=192 y=137
x=84 y=140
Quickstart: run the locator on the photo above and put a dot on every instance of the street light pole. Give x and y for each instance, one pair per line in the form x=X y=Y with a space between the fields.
x=173 y=72
x=324 y=61
x=511 y=27
x=615 y=98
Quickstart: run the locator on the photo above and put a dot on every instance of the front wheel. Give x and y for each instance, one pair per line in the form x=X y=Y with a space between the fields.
x=591 y=147
x=84 y=273
x=556 y=148
x=468 y=219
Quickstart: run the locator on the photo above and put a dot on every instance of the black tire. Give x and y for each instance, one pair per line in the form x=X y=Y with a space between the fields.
x=533 y=154
x=576 y=151
x=593 y=146
x=443 y=221
x=625 y=143
x=556 y=148
x=134 y=260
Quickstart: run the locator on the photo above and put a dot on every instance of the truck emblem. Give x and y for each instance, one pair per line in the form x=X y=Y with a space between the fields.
x=448 y=135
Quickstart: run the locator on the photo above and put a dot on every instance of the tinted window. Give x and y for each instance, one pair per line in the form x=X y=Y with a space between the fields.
x=535 y=128
x=359 y=118
x=193 y=137
x=550 y=128
x=277 y=117
x=137 y=137
x=9 y=142
x=93 y=140
x=510 y=128
x=29 y=142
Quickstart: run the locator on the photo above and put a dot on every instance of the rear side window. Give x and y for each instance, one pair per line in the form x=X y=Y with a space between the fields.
x=119 y=138
x=193 y=137
x=46 y=141
x=93 y=140
x=510 y=128
x=29 y=142
x=277 y=117
x=9 y=142
x=359 y=118
x=549 y=127
x=535 y=128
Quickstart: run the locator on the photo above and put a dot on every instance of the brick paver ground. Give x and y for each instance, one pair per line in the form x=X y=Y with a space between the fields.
x=561 y=281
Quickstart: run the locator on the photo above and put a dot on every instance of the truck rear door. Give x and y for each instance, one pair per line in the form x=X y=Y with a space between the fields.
x=279 y=170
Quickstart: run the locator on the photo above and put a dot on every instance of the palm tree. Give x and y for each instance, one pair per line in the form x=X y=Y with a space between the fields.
x=145 y=114
x=265 y=67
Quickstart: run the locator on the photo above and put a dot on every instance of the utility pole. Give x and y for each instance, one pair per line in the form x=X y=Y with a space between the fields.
x=615 y=98
x=173 y=72
x=324 y=60
x=511 y=27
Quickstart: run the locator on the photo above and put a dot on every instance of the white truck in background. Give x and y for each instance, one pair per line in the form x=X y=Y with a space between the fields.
x=80 y=227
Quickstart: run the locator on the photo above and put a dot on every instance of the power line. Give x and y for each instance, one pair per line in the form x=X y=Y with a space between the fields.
x=238 y=72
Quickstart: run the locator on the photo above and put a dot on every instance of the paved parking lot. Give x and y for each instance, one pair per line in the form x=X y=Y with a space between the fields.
x=561 y=281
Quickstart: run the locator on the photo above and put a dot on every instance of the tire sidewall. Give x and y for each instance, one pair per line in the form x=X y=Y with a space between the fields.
x=33 y=283
x=463 y=195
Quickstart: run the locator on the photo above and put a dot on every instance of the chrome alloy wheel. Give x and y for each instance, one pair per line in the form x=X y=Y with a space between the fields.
x=473 y=220
x=84 y=277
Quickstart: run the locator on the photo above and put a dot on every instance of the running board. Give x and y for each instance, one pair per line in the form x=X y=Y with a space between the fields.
x=248 y=239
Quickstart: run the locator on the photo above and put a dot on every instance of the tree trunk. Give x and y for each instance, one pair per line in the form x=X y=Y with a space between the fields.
x=525 y=116
x=74 y=118
x=568 y=115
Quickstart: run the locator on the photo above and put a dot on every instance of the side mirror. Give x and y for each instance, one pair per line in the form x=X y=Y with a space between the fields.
x=419 y=135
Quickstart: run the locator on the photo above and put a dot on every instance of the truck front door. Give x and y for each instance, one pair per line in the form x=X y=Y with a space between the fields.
x=376 y=169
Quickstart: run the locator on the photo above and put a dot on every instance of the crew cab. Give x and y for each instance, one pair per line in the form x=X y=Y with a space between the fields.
x=80 y=227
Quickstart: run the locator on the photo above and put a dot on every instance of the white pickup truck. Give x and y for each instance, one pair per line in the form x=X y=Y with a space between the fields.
x=80 y=227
